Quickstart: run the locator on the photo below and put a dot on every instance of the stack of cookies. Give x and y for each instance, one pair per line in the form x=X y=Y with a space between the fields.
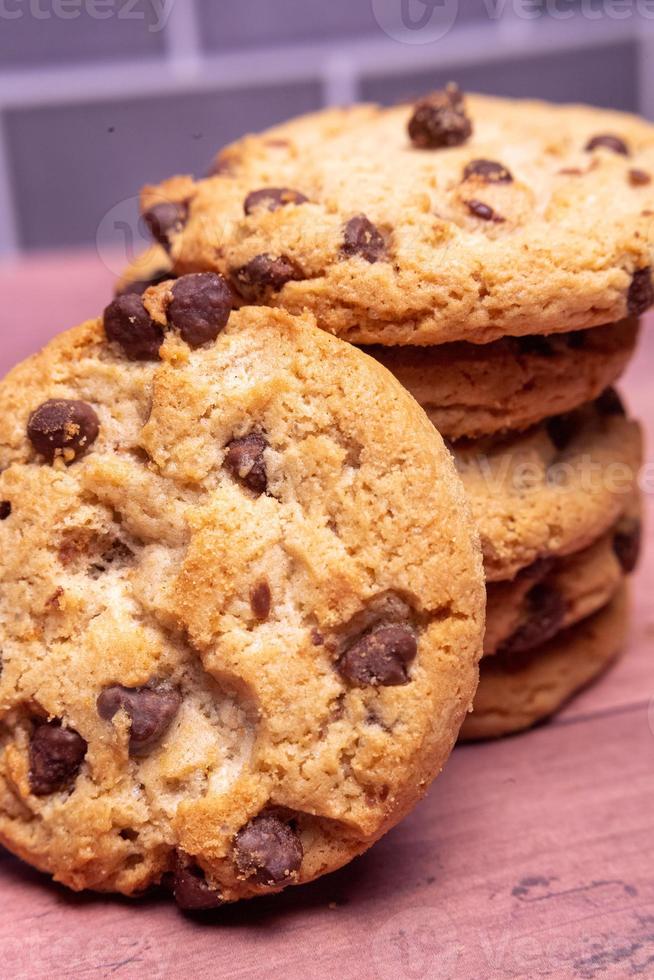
x=495 y=256
x=243 y=579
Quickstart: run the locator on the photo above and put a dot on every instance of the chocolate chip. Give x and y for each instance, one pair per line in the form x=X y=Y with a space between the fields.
x=151 y=711
x=562 y=429
x=380 y=657
x=545 y=617
x=62 y=428
x=261 y=600
x=489 y=171
x=200 y=307
x=362 y=238
x=641 y=292
x=56 y=755
x=533 y=344
x=483 y=211
x=627 y=542
x=440 y=120
x=268 y=851
x=166 y=219
x=639 y=178
x=128 y=324
x=246 y=463
x=609 y=142
x=5 y=509
x=191 y=889
x=610 y=403
x=264 y=274
x=138 y=286
x=272 y=198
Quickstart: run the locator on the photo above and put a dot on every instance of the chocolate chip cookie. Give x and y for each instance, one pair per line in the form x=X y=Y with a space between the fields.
x=517 y=690
x=460 y=217
x=242 y=600
x=474 y=390
x=552 y=490
x=149 y=268
x=555 y=593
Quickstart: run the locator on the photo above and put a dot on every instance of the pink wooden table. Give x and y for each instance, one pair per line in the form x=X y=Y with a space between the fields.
x=530 y=857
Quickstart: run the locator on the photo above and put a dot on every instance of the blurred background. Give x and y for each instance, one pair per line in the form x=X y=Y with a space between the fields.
x=98 y=97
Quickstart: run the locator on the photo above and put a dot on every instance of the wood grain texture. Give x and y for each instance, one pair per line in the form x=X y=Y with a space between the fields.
x=530 y=857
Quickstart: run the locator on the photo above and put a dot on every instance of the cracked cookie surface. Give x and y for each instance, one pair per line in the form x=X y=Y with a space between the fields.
x=241 y=600
x=535 y=219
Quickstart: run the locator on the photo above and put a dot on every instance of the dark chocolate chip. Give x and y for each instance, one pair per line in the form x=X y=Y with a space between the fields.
x=533 y=344
x=191 y=889
x=151 y=711
x=609 y=142
x=62 y=428
x=200 y=307
x=264 y=274
x=166 y=219
x=627 y=542
x=245 y=461
x=440 y=120
x=483 y=211
x=490 y=171
x=361 y=237
x=268 y=851
x=546 y=611
x=139 y=286
x=261 y=600
x=562 y=429
x=641 y=291
x=56 y=755
x=5 y=509
x=610 y=403
x=380 y=657
x=639 y=178
x=272 y=198
x=538 y=569
x=128 y=324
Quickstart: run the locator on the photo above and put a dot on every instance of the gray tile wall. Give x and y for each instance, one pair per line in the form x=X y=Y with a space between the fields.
x=91 y=108
x=603 y=76
x=251 y=23
x=70 y=165
x=33 y=34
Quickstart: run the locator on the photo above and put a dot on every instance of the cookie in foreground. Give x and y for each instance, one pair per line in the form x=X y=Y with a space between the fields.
x=242 y=600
